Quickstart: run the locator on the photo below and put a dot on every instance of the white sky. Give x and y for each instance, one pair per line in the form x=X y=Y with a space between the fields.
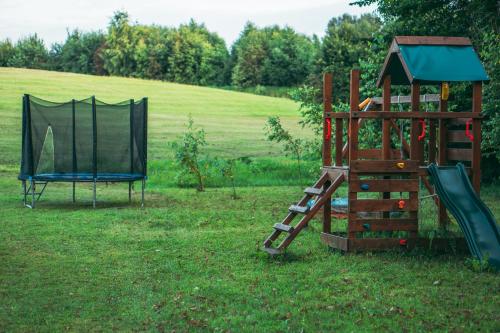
x=51 y=18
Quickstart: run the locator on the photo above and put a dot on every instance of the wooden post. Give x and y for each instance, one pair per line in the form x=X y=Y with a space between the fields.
x=327 y=147
x=442 y=151
x=415 y=107
x=353 y=141
x=327 y=107
x=432 y=141
x=476 y=131
x=354 y=102
x=414 y=147
x=386 y=130
x=386 y=125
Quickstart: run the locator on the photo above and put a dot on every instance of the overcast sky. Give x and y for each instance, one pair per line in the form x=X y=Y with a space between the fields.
x=51 y=18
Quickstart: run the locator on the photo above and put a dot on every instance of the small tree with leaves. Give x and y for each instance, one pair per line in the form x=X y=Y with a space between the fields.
x=187 y=153
x=228 y=169
x=291 y=146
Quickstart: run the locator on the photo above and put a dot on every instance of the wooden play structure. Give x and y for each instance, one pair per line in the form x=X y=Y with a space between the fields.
x=385 y=182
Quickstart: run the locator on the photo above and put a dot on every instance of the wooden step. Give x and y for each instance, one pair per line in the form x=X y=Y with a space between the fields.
x=271 y=250
x=283 y=227
x=313 y=191
x=298 y=209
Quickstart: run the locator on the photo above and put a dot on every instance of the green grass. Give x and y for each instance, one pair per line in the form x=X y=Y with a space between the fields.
x=190 y=261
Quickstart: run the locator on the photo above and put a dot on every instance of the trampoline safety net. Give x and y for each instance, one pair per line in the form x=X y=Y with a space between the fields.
x=85 y=140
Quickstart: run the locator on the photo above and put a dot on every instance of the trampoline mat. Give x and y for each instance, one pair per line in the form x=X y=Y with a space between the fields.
x=85 y=177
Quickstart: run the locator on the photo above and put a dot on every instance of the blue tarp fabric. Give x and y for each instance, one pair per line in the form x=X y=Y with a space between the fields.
x=443 y=63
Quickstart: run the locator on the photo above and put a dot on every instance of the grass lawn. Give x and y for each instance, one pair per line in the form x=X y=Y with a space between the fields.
x=190 y=261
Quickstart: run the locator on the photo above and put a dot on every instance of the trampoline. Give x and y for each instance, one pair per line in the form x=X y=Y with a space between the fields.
x=82 y=141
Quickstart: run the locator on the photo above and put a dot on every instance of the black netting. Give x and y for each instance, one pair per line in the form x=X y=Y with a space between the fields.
x=87 y=137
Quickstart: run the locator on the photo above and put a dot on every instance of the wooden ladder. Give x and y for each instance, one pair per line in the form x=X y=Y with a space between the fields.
x=323 y=190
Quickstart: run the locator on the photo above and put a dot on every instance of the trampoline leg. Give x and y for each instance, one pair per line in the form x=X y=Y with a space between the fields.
x=24 y=193
x=93 y=203
x=129 y=192
x=32 y=183
x=74 y=192
x=142 y=196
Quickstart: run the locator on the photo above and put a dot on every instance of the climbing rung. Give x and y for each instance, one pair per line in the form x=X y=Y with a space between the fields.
x=298 y=209
x=271 y=250
x=313 y=191
x=283 y=227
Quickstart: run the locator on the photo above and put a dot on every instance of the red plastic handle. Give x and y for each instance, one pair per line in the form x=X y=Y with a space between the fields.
x=467 y=130
x=422 y=134
x=328 y=133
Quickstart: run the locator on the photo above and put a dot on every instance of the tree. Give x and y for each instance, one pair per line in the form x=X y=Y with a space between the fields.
x=30 y=52
x=346 y=42
x=6 y=52
x=78 y=54
x=249 y=53
x=271 y=56
x=121 y=42
x=198 y=56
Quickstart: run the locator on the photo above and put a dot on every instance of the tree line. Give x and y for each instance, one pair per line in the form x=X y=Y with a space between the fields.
x=190 y=53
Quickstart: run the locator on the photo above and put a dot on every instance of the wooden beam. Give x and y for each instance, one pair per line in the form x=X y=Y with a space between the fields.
x=385 y=166
x=415 y=107
x=384 y=185
x=353 y=137
x=354 y=125
x=404 y=224
x=476 y=131
x=458 y=136
x=432 y=40
x=432 y=141
x=459 y=154
x=386 y=127
x=327 y=125
x=339 y=144
x=442 y=155
x=337 y=115
x=381 y=205
x=407 y=99
x=418 y=115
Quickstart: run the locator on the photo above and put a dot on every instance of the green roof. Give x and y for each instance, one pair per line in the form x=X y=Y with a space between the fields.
x=428 y=62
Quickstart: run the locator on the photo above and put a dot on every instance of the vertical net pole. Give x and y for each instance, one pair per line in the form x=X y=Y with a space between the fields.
x=131 y=136
x=23 y=139
x=30 y=167
x=145 y=143
x=131 y=148
x=94 y=147
x=73 y=110
x=145 y=124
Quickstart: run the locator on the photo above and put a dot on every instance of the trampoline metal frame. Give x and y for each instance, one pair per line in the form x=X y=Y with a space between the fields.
x=29 y=189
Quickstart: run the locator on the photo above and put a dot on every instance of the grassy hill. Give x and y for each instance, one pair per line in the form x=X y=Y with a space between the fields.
x=233 y=121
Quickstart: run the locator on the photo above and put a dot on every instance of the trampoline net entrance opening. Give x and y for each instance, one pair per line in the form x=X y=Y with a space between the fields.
x=82 y=141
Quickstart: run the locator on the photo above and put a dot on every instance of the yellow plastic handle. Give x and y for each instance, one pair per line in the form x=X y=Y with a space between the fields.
x=400 y=165
x=445 y=91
